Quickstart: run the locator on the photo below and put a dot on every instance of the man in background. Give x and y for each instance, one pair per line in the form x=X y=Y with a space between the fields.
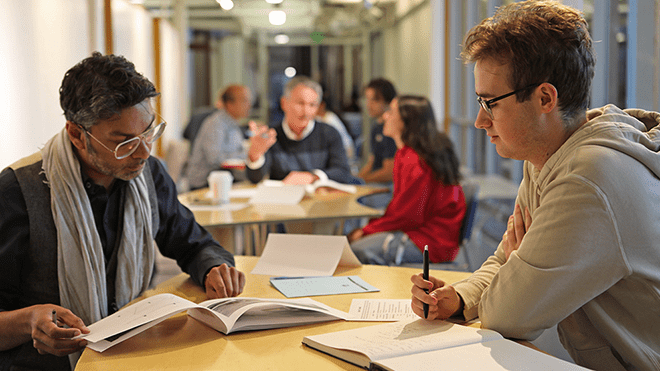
x=220 y=138
x=378 y=169
x=300 y=150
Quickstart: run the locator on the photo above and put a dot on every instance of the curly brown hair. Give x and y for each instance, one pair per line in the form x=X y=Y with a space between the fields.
x=542 y=41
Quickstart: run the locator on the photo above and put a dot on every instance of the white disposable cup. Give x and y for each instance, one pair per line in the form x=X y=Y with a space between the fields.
x=220 y=185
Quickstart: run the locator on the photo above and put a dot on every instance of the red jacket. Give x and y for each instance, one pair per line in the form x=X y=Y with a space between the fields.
x=429 y=212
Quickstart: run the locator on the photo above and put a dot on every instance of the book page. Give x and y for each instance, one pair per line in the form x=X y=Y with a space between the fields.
x=240 y=314
x=150 y=309
x=403 y=337
x=504 y=355
x=381 y=310
x=348 y=188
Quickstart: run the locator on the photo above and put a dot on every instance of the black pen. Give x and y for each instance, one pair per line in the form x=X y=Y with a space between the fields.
x=426 y=277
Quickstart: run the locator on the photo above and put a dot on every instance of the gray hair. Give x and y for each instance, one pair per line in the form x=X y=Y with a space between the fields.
x=303 y=80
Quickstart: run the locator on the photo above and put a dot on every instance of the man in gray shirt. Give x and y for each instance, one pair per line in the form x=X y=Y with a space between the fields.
x=220 y=137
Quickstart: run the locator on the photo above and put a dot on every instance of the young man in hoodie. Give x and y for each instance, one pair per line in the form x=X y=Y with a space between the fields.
x=588 y=205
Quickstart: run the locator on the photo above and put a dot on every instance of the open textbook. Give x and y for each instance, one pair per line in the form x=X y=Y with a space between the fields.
x=225 y=315
x=425 y=345
x=276 y=192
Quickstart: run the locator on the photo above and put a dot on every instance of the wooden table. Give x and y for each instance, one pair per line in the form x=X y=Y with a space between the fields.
x=182 y=343
x=324 y=205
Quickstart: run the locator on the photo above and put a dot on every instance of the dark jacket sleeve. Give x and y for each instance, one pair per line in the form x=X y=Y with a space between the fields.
x=337 y=167
x=14 y=239
x=179 y=236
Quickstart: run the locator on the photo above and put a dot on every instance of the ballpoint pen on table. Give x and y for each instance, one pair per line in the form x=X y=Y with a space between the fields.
x=426 y=277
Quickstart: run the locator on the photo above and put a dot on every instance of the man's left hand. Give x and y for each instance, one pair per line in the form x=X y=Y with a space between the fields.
x=224 y=281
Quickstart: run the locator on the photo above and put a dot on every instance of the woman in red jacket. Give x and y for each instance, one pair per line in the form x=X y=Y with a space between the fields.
x=428 y=203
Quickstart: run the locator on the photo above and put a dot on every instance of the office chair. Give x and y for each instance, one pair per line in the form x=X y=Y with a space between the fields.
x=462 y=261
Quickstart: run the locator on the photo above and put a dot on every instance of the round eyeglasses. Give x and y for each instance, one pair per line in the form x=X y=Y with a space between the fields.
x=128 y=147
x=485 y=104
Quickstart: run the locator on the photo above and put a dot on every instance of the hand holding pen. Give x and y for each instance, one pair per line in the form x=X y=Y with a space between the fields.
x=432 y=298
x=55 y=333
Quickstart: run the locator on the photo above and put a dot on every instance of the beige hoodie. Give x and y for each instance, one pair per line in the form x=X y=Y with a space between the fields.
x=590 y=261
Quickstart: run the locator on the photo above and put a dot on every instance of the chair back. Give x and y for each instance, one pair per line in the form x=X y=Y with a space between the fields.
x=462 y=261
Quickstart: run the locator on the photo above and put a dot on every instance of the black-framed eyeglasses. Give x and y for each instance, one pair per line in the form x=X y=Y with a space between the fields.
x=128 y=147
x=485 y=104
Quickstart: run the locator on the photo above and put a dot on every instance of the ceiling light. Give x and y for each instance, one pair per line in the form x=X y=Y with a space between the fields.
x=225 y=4
x=289 y=72
x=274 y=1
x=277 y=17
x=281 y=39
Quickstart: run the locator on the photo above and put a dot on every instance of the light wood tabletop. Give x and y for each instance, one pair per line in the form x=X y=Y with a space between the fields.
x=323 y=205
x=227 y=223
x=182 y=343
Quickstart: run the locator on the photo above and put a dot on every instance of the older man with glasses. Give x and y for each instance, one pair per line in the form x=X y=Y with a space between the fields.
x=82 y=217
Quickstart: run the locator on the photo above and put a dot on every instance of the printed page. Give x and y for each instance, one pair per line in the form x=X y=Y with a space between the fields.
x=304 y=255
x=278 y=194
x=154 y=308
x=504 y=355
x=403 y=337
x=348 y=188
x=381 y=310
x=240 y=314
x=295 y=287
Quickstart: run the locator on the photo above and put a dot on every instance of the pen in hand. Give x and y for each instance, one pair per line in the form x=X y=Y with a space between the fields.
x=426 y=277
x=54 y=315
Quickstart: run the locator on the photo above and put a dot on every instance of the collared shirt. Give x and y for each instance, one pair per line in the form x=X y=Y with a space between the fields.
x=292 y=136
x=179 y=236
x=319 y=151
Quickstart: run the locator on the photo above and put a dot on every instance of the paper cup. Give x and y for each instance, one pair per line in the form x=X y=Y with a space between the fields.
x=220 y=185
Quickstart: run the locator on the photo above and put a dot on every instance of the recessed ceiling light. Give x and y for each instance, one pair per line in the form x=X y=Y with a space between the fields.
x=290 y=72
x=281 y=39
x=277 y=17
x=225 y=4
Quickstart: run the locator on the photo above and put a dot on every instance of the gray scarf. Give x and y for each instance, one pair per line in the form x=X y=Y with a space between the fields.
x=80 y=259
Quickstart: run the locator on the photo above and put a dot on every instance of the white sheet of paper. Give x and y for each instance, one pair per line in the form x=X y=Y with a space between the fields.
x=237 y=193
x=295 y=287
x=286 y=195
x=304 y=255
x=138 y=314
x=380 y=310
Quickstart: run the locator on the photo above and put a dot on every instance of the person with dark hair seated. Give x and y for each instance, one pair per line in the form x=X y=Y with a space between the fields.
x=428 y=204
x=81 y=220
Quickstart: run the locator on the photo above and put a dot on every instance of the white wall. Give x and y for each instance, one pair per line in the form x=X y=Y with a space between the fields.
x=39 y=41
x=132 y=28
x=407 y=48
x=173 y=107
